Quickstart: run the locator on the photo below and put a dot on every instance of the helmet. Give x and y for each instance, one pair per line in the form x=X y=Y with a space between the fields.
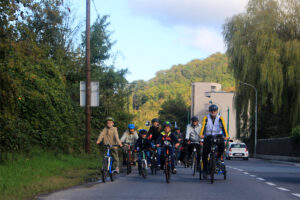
x=213 y=107
x=154 y=120
x=194 y=119
x=131 y=126
x=177 y=128
x=167 y=123
x=143 y=131
x=109 y=119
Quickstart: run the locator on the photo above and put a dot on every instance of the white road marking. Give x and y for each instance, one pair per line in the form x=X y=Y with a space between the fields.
x=246 y=173
x=271 y=184
x=252 y=175
x=283 y=189
x=295 y=194
x=261 y=179
x=240 y=170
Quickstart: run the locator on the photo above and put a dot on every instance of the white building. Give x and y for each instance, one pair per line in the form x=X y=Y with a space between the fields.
x=205 y=94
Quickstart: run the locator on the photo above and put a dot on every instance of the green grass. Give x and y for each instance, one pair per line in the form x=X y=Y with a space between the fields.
x=25 y=177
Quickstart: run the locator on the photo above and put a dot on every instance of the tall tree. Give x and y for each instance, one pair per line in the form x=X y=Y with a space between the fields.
x=263 y=47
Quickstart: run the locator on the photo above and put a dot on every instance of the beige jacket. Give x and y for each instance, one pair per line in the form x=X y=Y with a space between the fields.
x=109 y=136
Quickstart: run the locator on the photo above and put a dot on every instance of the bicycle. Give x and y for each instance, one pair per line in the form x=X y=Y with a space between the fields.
x=195 y=158
x=143 y=166
x=107 y=164
x=128 y=157
x=167 y=162
x=154 y=161
x=214 y=165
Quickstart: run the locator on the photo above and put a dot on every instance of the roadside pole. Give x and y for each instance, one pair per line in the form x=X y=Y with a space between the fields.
x=88 y=82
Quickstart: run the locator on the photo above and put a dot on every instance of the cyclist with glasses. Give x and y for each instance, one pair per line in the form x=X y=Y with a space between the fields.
x=193 y=138
x=213 y=125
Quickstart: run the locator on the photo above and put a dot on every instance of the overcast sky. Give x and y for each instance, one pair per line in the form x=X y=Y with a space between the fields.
x=153 y=35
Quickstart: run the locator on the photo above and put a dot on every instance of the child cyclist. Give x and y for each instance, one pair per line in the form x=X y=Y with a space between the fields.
x=166 y=134
x=109 y=136
x=129 y=137
x=143 y=144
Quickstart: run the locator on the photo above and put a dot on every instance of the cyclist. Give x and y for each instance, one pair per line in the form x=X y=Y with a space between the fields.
x=153 y=135
x=130 y=137
x=213 y=125
x=193 y=136
x=166 y=134
x=143 y=144
x=180 y=137
x=109 y=135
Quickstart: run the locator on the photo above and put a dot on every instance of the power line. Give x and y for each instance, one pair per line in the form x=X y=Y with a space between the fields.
x=98 y=16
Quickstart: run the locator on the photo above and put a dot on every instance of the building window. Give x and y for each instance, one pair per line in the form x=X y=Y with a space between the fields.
x=213 y=88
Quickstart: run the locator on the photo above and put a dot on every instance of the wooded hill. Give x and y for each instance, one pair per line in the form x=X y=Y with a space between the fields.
x=149 y=98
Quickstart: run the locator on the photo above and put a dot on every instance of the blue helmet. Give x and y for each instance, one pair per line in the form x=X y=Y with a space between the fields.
x=131 y=126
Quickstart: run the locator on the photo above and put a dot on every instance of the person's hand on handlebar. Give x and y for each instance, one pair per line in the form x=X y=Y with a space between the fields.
x=176 y=145
x=98 y=142
x=121 y=144
x=157 y=145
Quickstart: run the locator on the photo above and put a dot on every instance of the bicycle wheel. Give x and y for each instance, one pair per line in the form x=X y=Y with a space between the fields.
x=200 y=168
x=111 y=176
x=104 y=169
x=225 y=172
x=212 y=166
x=128 y=163
x=144 y=169
x=167 y=170
x=194 y=164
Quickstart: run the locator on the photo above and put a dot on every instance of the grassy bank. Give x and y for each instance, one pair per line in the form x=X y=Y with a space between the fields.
x=27 y=176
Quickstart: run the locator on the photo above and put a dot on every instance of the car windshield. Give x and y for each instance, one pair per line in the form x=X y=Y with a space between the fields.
x=238 y=146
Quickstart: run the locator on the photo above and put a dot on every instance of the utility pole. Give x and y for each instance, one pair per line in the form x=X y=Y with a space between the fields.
x=88 y=82
x=255 y=134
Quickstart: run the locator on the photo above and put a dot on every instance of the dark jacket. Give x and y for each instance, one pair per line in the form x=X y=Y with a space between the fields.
x=171 y=137
x=154 y=134
x=142 y=144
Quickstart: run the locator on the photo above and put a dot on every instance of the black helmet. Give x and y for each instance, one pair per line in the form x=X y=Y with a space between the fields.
x=154 y=120
x=213 y=107
x=194 y=119
x=177 y=128
x=143 y=131
x=167 y=123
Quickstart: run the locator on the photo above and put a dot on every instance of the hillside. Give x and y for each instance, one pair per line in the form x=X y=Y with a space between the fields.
x=147 y=97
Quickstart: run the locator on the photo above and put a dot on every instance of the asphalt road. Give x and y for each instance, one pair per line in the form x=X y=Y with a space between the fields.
x=253 y=179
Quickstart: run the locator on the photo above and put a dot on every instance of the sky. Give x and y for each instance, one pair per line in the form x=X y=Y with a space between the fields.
x=153 y=35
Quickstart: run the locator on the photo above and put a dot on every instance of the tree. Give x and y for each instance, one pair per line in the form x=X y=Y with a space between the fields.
x=175 y=110
x=262 y=45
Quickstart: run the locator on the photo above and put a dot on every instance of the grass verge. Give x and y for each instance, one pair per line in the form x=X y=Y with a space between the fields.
x=43 y=172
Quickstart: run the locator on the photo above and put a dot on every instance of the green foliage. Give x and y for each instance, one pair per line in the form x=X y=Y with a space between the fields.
x=40 y=74
x=148 y=97
x=175 y=110
x=263 y=49
x=296 y=134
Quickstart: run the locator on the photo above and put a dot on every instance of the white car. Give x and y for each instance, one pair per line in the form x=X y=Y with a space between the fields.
x=237 y=150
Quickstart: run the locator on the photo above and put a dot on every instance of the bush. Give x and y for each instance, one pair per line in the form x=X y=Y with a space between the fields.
x=296 y=134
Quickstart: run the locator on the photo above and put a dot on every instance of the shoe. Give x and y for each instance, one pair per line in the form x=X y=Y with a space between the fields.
x=174 y=171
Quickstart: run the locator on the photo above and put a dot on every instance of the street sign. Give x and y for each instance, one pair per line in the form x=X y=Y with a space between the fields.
x=94 y=95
